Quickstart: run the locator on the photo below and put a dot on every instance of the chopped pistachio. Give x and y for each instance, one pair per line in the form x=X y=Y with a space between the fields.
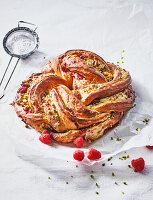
x=104 y=133
x=124 y=157
x=92 y=176
x=118 y=139
x=97 y=184
x=97 y=192
x=136 y=129
x=48 y=177
x=115 y=183
x=111 y=138
x=113 y=174
x=124 y=183
x=76 y=165
x=146 y=121
x=67 y=182
x=71 y=176
x=109 y=158
x=103 y=164
x=129 y=166
x=127 y=156
x=111 y=163
x=135 y=170
x=122 y=192
x=133 y=106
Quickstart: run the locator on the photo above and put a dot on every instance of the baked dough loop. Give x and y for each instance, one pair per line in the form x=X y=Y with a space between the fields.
x=77 y=94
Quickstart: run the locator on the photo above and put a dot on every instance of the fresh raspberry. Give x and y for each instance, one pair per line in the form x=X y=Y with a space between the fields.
x=93 y=154
x=78 y=155
x=138 y=164
x=78 y=142
x=149 y=147
x=45 y=138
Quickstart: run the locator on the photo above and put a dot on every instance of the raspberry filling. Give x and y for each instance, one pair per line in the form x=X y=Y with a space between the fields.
x=127 y=93
x=70 y=110
x=100 y=69
x=95 y=101
x=23 y=88
x=79 y=77
x=71 y=73
x=82 y=131
x=83 y=56
x=78 y=95
x=64 y=69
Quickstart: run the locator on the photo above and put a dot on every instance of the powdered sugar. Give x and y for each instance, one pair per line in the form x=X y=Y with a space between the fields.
x=20 y=43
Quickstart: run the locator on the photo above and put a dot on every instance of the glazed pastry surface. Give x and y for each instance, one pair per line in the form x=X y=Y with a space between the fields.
x=77 y=94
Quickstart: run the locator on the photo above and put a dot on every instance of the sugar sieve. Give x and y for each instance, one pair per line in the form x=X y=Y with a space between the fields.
x=19 y=42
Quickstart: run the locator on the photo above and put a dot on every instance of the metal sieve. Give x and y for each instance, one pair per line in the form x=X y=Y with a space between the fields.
x=19 y=42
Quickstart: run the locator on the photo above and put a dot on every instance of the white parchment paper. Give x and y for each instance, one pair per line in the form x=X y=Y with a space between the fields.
x=107 y=34
x=105 y=27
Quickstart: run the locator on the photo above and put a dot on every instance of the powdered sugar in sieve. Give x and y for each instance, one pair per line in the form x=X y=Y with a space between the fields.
x=21 y=42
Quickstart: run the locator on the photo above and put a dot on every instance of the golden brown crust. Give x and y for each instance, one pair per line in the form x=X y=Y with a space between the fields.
x=63 y=98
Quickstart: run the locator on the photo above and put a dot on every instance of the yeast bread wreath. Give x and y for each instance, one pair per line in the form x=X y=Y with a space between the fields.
x=77 y=94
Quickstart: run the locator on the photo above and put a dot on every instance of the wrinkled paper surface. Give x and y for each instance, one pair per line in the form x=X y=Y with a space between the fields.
x=105 y=28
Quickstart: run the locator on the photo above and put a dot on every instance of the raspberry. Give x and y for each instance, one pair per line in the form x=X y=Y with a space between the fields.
x=138 y=164
x=149 y=147
x=78 y=155
x=78 y=142
x=93 y=154
x=45 y=138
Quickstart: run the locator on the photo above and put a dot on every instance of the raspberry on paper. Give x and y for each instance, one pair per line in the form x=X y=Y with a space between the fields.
x=138 y=164
x=45 y=138
x=78 y=155
x=93 y=154
x=78 y=142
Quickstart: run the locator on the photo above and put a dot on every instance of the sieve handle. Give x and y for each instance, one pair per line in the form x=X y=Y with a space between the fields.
x=9 y=77
x=23 y=22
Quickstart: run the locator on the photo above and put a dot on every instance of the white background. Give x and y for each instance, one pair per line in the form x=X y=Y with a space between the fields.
x=106 y=28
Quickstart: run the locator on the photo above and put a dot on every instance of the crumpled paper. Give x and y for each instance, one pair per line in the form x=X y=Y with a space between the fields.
x=107 y=34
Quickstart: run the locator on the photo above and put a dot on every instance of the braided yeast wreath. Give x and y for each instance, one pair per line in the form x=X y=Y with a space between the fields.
x=77 y=94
